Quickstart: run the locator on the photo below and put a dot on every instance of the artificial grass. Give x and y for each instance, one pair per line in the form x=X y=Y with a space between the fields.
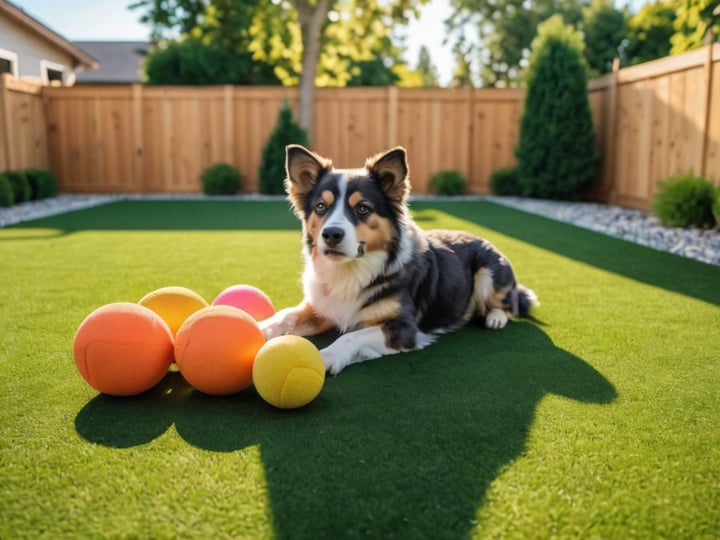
x=598 y=418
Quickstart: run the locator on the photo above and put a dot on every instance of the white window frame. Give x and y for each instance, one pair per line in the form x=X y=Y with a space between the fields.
x=12 y=58
x=46 y=64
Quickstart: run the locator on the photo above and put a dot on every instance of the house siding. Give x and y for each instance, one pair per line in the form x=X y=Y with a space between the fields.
x=33 y=53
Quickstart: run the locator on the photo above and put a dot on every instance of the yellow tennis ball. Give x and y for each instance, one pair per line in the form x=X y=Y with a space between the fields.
x=173 y=304
x=288 y=372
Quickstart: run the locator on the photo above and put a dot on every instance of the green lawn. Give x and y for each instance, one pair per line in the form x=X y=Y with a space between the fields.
x=598 y=418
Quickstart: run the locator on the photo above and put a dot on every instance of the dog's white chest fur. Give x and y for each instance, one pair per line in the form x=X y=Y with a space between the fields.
x=339 y=291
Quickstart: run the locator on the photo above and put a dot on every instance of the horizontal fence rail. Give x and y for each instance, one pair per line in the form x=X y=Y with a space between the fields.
x=651 y=121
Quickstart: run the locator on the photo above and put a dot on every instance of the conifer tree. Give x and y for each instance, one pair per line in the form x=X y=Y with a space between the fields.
x=555 y=154
x=272 y=166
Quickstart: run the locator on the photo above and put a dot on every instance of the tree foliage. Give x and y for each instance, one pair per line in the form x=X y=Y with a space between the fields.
x=555 y=153
x=426 y=69
x=649 y=33
x=505 y=30
x=605 y=27
x=307 y=42
x=694 y=19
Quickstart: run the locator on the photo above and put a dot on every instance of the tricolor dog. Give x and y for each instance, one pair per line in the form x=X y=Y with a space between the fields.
x=374 y=275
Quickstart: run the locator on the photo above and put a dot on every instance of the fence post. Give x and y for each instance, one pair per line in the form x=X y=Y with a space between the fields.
x=392 y=124
x=138 y=143
x=610 y=173
x=708 y=100
x=5 y=154
x=228 y=124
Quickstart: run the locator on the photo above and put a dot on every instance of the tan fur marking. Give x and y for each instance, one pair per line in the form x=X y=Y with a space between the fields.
x=328 y=197
x=380 y=311
x=355 y=199
x=482 y=290
x=496 y=299
x=309 y=322
x=376 y=233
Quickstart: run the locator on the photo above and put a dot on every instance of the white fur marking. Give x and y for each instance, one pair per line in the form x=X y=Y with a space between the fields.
x=363 y=344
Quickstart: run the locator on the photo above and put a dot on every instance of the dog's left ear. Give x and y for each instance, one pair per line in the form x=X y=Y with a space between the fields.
x=391 y=171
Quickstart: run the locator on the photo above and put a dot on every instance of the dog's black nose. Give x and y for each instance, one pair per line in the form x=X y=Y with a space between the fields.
x=333 y=235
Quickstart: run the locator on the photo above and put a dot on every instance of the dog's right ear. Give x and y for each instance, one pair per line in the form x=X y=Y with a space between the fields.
x=304 y=168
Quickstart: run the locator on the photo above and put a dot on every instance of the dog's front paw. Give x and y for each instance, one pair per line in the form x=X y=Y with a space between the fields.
x=496 y=319
x=279 y=324
x=335 y=360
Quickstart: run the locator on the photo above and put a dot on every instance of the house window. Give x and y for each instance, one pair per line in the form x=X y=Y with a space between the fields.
x=8 y=62
x=52 y=73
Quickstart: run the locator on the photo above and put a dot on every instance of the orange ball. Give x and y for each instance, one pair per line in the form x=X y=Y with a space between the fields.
x=123 y=349
x=215 y=349
x=173 y=304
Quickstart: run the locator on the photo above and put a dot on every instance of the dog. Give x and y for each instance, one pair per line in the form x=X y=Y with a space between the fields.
x=374 y=275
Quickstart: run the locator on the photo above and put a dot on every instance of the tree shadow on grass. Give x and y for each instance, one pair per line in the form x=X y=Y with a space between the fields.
x=405 y=446
x=641 y=263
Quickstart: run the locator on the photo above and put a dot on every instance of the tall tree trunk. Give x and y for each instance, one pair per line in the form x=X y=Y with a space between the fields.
x=312 y=15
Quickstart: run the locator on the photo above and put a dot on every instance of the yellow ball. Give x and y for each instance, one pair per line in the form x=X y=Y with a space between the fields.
x=174 y=305
x=288 y=372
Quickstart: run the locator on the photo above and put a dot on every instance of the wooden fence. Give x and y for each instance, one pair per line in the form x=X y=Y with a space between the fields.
x=23 y=138
x=158 y=139
x=651 y=121
x=658 y=119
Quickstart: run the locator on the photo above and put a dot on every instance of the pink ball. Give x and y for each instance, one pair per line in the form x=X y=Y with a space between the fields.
x=248 y=298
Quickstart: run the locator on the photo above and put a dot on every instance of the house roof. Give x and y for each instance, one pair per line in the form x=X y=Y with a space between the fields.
x=82 y=59
x=120 y=61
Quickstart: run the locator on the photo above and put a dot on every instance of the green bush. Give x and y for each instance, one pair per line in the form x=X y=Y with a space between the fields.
x=556 y=150
x=448 y=183
x=272 y=166
x=221 y=179
x=505 y=182
x=20 y=186
x=7 y=198
x=685 y=200
x=43 y=184
x=195 y=62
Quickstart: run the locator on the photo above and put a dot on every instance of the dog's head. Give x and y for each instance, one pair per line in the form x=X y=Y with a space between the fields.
x=348 y=213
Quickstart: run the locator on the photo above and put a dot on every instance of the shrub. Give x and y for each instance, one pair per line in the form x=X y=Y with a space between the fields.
x=20 y=185
x=43 y=184
x=505 y=182
x=7 y=198
x=221 y=179
x=685 y=200
x=272 y=166
x=556 y=153
x=448 y=183
x=195 y=62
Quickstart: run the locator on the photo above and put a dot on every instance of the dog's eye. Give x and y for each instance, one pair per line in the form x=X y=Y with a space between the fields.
x=321 y=208
x=362 y=209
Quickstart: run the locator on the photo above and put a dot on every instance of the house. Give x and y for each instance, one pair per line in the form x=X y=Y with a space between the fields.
x=31 y=51
x=120 y=61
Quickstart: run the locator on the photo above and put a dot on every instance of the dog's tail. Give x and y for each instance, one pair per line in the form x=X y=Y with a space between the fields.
x=523 y=299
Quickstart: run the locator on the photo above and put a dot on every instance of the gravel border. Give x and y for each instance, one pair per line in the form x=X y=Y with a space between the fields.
x=632 y=225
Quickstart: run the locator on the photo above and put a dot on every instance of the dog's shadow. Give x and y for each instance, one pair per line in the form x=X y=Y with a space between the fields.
x=403 y=446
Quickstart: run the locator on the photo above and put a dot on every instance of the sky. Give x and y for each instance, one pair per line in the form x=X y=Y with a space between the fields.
x=110 y=20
